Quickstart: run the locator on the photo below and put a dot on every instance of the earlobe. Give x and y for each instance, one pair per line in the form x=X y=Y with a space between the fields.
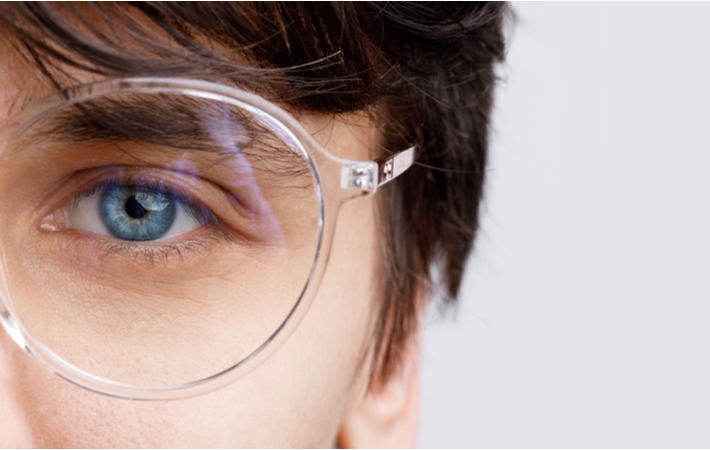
x=388 y=415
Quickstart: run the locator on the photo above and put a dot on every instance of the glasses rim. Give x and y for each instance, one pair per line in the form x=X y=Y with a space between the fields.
x=356 y=179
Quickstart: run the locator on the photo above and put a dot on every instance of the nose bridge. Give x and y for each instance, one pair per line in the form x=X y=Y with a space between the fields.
x=15 y=429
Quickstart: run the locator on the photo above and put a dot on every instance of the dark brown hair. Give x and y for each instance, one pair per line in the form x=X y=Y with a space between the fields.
x=425 y=69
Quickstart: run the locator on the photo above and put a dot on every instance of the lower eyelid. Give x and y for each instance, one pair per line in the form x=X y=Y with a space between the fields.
x=94 y=250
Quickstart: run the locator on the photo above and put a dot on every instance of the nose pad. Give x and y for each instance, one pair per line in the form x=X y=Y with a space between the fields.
x=15 y=429
x=9 y=324
x=7 y=321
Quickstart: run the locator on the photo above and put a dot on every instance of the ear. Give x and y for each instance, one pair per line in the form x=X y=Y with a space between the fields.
x=388 y=415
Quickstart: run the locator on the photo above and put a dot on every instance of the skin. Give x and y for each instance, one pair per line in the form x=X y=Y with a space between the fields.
x=311 y=393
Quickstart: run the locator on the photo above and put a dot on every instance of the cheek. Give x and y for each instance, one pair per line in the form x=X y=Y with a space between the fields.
x=326 y=360
x=295 y=398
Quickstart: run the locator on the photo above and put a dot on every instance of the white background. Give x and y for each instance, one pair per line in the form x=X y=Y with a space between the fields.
x=585 y=314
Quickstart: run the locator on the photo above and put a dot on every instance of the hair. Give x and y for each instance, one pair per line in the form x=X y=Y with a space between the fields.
x=425 y=70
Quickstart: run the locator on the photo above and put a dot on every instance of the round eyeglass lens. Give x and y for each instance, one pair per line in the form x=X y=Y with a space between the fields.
x=156 y=238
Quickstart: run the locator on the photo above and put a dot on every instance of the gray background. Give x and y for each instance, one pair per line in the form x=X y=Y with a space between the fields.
x=585 y=315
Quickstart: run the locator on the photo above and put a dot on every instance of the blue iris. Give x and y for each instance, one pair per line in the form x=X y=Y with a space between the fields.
x=133 y=213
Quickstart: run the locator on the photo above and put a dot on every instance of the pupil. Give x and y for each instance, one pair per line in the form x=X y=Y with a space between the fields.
x=134 y=209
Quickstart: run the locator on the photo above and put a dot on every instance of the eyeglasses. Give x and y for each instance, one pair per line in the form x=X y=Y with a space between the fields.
x=162 y=237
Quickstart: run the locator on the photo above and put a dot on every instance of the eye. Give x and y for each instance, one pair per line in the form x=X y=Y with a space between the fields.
x=136 y=213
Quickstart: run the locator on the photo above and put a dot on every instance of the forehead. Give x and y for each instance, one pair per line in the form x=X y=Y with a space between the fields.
x=22 y=80
x=29 y=74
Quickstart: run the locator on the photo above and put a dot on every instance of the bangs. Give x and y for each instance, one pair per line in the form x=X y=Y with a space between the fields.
x=309 y=55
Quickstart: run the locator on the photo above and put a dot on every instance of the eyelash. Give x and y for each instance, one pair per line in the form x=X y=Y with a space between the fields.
x=157 y=251
x=198 y=246
x=194 y=207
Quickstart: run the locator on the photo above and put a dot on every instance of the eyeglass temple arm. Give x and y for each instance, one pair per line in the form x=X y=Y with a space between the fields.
x=369 y=175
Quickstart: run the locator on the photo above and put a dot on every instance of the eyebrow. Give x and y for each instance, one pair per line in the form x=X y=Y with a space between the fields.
x=160 y=119
x=214 y=132
x=179 y=122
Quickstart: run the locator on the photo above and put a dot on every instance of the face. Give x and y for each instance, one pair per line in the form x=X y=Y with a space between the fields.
x=311 y=392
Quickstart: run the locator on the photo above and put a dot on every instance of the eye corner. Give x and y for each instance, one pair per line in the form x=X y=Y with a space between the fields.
x=53 y=222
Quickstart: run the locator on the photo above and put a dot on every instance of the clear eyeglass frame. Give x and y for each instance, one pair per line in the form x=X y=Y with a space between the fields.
x=338 y=180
